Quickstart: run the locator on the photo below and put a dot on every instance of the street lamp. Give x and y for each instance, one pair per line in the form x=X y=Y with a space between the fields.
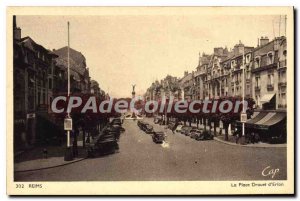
x=243 y=114
x=68 y=120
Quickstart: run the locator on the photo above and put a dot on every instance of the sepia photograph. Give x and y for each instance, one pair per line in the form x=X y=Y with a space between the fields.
x=170 y=99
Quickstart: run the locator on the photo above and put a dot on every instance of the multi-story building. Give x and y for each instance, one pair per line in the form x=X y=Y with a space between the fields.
x=33 y=68
x=169 y=86
x=269 y=73
x=240 y=54
x=187 y=86
x=220 y=74
x=201 y=76
x=79 y=73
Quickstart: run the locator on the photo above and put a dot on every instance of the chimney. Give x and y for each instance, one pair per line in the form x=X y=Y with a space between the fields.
x=16 y=30
x=186 y=73
x=238 y=48
x=264 y=40
x=257 y=42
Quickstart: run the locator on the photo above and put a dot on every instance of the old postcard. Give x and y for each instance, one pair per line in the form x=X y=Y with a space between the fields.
x=150 y=100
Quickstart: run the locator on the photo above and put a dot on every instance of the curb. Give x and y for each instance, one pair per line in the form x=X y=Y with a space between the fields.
x=49 y=167
x=252 y=146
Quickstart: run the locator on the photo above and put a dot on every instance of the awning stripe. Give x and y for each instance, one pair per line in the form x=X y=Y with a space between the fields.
x=275 y=119
x=266 y=118
x=257 y=118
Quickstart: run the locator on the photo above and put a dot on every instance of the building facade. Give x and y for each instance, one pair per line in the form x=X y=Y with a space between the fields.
x=33 y=68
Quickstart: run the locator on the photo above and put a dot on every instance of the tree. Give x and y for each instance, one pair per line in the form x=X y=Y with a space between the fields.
x=232 y=117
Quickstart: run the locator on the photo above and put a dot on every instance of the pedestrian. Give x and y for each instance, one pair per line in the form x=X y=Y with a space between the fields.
x=175 y=126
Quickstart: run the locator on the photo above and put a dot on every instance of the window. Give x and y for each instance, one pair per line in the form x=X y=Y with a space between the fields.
x=233 y=63
x=50 y=70
x=50 y=83
x=270 y=79
x=270 y=58
x=257 y=81
x=248 y=58
x=248 y=74
x=257 y=62
x=284 y=53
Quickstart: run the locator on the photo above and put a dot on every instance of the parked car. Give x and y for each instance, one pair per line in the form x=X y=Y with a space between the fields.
x=148 y=129
x=144 y=126
x=205 y=135
x=117 y=121
x=178 y=128
x=183 y=129
x=104 y=143
x=188 y=130
x=195 y=133
x=158 y=136
x=157 y=120
x=118 y=127
x=139 y=123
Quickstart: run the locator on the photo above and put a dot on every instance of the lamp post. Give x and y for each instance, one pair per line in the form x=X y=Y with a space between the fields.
x=68 y=119
x=243 y=114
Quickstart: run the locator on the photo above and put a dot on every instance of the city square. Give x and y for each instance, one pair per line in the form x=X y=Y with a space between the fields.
x=71 y=121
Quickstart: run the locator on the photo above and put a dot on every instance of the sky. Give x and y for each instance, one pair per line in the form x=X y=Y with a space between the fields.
x=138 y=49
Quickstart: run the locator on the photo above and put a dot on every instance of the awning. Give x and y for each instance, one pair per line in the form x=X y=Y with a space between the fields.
x=264 y=120
x=278 y=117
x=266 y=98
x=254 y=114
x=257 y=117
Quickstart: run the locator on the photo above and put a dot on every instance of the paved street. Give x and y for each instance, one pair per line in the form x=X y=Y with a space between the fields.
x=181 y=158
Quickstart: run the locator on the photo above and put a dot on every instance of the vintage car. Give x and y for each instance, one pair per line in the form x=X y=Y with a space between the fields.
x=148 y=129
x=178 y=128
x=157 y=120
x=205 y=135
x=140 y=123
x=187 y=131
x=195 y=133
x=158 y=136
x=183 y=129
x=104 y=143
x=117 y=121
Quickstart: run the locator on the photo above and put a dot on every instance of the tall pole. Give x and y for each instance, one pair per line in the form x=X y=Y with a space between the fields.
x=279 y=24
x=68 y=132
x=243 y=74
x=285 y=25
x=69 y=152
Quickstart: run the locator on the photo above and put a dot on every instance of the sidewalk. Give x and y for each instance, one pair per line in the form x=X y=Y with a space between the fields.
x=35 y=159
x=231 y=141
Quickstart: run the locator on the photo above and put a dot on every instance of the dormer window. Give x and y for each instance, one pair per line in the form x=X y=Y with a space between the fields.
x=233 y=63
x=248 y=57
x=270 y=59
x=257 y=62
